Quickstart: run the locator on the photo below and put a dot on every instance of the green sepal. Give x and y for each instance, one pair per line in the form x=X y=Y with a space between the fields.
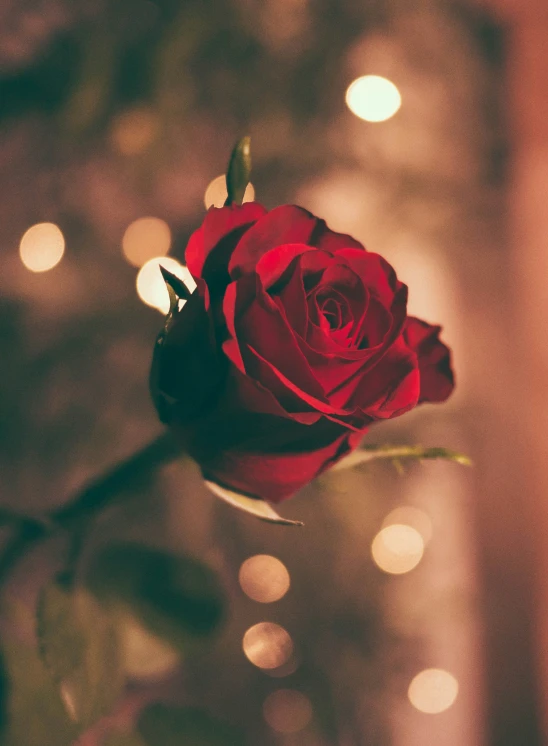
x=175 y=286
x=238 y=172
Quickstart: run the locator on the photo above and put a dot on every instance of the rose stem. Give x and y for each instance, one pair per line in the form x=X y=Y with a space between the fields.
x=96 y=495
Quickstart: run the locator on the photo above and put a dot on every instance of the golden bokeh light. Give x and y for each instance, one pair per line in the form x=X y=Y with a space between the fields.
x=397 y=548
x=134 y=130
x=151 y=287
x=373 y=98
x=42 y=247
x=216 y=194
x=287 y=711
x=145 y=656
x=289 y=667
x=145 y=239
x=433 y=691
x=267 y=645
x=264 y=578
x=408 y=515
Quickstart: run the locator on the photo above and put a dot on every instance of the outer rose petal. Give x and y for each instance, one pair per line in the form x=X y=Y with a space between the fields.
x=283 y=225
x=324 y=238
x=219 y=223
x=437 y=379
x=392 y=386
x=274 y=476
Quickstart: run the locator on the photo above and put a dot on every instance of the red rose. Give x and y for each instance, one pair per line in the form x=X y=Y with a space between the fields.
x=294 y=342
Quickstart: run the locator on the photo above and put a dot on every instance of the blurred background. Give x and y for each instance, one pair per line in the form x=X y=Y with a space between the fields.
x=411 y=609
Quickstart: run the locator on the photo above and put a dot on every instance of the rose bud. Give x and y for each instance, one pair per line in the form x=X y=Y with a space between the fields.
x=294 y=342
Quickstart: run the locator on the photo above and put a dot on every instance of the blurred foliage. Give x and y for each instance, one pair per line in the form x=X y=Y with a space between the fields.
x=124 y=739
x=36 y=714
x=4 y=694
x=79 y=645
x=166 y=725
x=177 y=598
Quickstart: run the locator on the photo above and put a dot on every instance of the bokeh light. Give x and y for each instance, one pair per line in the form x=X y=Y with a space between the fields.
x=397 y=548
x=408 y=515
x=267 y=645
x=134 y=130
x=287 y=710
x=264 y=578
x=433 y=690
x=373 y=98
x=151 y=287
x=42 y=247
x=145 y=656
x=288 y=668
x=145 y=239
x=216 y=194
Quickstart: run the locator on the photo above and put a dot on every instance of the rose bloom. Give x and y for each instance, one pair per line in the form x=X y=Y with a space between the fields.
x=294 y=342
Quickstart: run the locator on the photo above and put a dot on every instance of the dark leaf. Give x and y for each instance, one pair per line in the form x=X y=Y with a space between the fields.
x=166 y=725
x=239 y=171
x=177 y=598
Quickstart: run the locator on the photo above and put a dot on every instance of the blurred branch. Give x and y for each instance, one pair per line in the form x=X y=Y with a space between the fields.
x=106 y=489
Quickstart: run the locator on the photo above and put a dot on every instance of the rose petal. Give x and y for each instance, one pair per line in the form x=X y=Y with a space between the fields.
x=259 y=325
x=219 y=224
x=375 y=326
x=276 y=262
x=391 y=387
x=398 y=312
x=284 y=225
x=324 y=238
x=437 y=378
x=291 y=396
x=375 y=272
x=291 y=300
x=275 y=476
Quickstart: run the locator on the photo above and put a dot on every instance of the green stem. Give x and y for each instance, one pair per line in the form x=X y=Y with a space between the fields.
x=110 y=487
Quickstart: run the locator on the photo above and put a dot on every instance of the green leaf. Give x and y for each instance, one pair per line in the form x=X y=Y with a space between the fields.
x=397 y=453
x=166 y=725
x=79 y=646
x=254 y=506
x=36 y=715
x=176 y=598
x=239 y=170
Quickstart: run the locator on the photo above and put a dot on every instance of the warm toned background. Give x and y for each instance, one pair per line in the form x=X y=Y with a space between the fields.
x=110 y=112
